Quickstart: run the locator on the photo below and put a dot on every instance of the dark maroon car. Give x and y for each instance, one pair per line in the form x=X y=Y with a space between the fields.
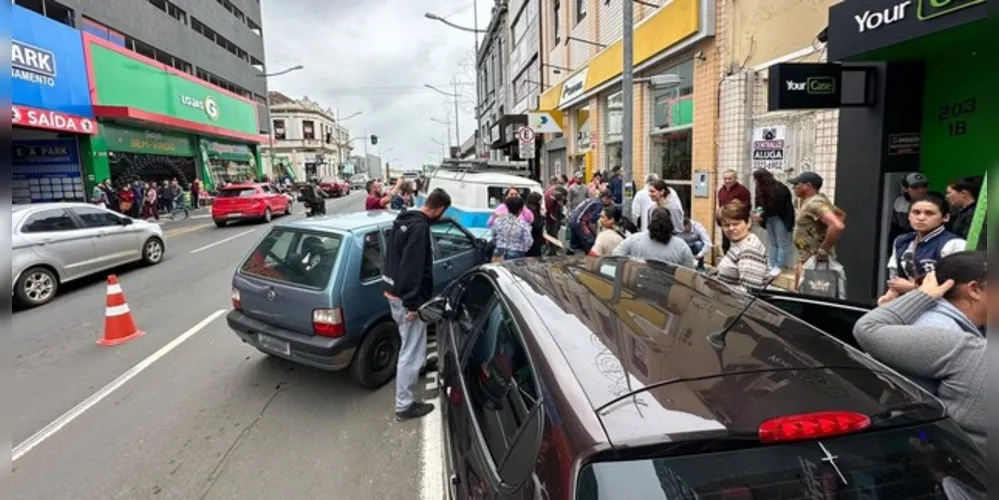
x=606 y=378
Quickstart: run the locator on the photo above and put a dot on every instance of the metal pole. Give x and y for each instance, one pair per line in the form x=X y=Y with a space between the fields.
x=457 y=133
x=270 y=133
x=628 y=99
x=475 y=62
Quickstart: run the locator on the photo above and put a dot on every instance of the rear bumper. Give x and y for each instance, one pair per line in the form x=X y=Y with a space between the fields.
x=323 y=353
x=246 y=215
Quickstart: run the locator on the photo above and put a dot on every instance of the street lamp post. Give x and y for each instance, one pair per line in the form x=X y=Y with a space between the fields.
x=455 y=96
x=270 y=126
x=476 y=32
x=447 y=134
x=339 y=145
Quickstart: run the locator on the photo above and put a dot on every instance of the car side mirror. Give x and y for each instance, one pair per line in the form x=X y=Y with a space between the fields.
x=125 y=221
x=434 y=310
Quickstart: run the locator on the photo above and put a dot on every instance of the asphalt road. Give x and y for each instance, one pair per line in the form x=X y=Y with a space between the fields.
x=188 y=411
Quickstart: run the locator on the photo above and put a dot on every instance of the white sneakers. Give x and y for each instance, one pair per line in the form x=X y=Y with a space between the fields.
x=775 y=272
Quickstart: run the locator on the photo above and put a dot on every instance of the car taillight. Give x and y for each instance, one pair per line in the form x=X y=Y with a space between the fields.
x=236 y=303
x=328 y=322
x=810 y=426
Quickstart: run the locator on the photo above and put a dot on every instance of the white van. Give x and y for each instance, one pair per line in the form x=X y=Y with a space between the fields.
x=475 y=193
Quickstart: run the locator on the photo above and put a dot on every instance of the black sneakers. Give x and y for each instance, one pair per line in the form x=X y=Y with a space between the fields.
x=415 y=410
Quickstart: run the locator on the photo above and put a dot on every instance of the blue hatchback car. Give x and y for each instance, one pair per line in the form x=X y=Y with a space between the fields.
x=311 y=291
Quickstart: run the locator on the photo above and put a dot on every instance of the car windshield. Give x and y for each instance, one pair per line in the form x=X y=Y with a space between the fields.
x=898 y=464
x=294 y=257
x=237 y=193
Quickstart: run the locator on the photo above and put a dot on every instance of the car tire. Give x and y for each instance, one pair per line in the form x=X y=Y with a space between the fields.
x=375 y=360
x=153 y=251
x=287 y=210
x=267 y=215
x=36 y=286
x=220 y=223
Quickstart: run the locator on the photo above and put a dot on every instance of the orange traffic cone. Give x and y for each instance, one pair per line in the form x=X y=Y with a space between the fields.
x=119 y=327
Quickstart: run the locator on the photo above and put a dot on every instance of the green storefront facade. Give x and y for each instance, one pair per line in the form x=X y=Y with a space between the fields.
x=157 y=122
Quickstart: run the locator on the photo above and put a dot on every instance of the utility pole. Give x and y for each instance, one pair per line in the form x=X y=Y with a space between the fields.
x=457 y=133
x=628 y=99
x=475 y=62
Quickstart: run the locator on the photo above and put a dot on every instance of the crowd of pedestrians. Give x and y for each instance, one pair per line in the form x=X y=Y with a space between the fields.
x=932 y=330
x=149 y=199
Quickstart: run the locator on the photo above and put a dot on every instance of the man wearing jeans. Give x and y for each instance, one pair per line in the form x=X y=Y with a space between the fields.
x=409 y=283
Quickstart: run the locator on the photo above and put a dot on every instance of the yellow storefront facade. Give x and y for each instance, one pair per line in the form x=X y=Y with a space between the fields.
x=675 y=128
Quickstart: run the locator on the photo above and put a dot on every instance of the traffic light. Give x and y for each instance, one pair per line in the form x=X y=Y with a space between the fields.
x=374 y=140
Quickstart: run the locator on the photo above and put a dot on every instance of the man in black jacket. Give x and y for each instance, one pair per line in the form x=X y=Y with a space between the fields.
x=409 y=283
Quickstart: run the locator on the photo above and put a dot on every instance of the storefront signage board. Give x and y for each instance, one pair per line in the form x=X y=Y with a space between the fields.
x=47 y=69
x=804 y=86
x=46 y=171
x=133 y=140
x=860 y=26
x=573 y=87
x=123 y=80
x=228 y=151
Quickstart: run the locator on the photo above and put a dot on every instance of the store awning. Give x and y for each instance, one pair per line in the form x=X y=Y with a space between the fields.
x=136 y=115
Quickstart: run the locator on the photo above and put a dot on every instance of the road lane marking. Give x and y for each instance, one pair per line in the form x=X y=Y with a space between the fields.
x=219 y=242
x=185 y=230
x=432 y=457
x=57 y=425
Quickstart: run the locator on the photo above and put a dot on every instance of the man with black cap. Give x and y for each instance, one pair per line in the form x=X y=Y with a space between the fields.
x=819 y=224
x=914 y=188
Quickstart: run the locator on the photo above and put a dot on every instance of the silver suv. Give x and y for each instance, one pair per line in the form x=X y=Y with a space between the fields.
x=53 y=243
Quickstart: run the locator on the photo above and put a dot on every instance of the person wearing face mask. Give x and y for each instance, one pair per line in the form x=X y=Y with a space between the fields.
x=916 y=253
x=950 y=364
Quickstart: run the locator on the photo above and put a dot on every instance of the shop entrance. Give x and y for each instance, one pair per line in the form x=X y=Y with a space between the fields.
x=928 y=115
x=45 y=167
x=127 y=168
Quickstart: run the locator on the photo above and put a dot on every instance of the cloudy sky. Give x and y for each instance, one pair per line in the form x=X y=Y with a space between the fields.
x=375 y=56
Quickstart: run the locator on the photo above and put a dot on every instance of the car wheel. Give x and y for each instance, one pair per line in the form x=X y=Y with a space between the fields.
x=36 y=286
x=153 y=251
x=375 y=360
x=267 y=215
x=220 y=223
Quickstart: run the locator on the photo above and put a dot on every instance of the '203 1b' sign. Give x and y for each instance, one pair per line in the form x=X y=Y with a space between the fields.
x=955 y=115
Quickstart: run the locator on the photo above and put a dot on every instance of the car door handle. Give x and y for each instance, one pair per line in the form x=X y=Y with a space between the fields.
x=447 y=265
x=46 y=241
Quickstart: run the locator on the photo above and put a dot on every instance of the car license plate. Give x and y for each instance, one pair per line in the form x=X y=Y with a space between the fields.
x=274 y=345
x=234 y=215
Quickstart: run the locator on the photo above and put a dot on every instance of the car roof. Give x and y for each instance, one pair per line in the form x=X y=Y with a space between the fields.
x=623 y=324
x=51 y=205
x=345 y=222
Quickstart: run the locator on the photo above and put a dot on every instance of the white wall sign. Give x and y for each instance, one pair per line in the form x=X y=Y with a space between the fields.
x=767 y=149
x=573 y=87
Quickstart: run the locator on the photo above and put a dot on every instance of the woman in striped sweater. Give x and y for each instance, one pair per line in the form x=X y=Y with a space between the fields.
x=744 y=266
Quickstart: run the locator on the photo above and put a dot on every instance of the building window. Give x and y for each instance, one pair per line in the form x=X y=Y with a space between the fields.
x=558 y=21
x=254 y=27
x=103 y=32
x=177 y=13
x=308 y=130
x=50 y=9
x=674 y=106
x=614 y=107
x=581 y=6
x=279 y=131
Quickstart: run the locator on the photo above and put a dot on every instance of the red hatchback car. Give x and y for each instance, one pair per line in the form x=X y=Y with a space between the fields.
x=334 y=187
x=249 y=201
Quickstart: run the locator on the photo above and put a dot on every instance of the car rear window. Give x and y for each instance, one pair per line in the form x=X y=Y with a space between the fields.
x=294 y=257
x=924 y=462
x=237 y=193
x=497 y=194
